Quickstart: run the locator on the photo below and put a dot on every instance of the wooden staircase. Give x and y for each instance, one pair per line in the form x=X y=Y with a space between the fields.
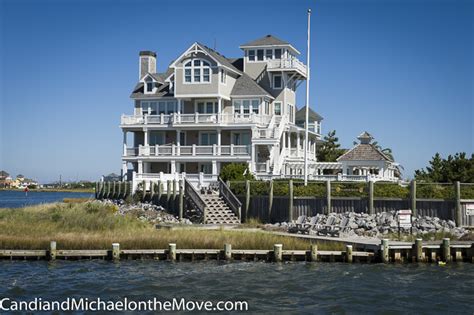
x=218 y=212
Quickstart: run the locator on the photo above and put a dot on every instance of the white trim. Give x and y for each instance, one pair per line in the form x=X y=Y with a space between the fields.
x=188 y=96
x=201 y=69
x=276 y=46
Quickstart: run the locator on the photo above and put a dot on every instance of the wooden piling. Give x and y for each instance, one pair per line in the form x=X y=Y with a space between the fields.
x=175 y=193
x=119 y=188
x=349 y=253
x=172 y=251
x=270 y=201
x=108 y=190
x=418 y=250
x=371 y=197
x=113 y=190
x=385 y=251
x=314 y=252
x=96 y=190
x=278 y=252
x=181 y=200
x=116 y=251
x=52 y=250
x=413 y=197
x=446 y=250
x=160 y=190
x=328 y=196
x=247 y=198
x=144 y=190
x=458 y=208
x=228 y=251
x=152 y=192
x=290 y=201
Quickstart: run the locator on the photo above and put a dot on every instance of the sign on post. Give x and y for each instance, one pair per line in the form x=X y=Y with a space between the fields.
x=404 y=218
x=470 y=209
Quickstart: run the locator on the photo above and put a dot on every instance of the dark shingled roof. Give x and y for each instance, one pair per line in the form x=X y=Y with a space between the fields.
x=237 y=62
x=364 y=152
x=300 y=115
x=221 y=59
x=163 y=90
x=245 y=85
x=266 y=41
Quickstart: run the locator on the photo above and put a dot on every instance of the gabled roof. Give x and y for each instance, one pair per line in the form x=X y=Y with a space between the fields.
x=220 y=58
x=246 y=86
x=364 y=152
x=162 y=91
x=300 y=115
x=268 y=40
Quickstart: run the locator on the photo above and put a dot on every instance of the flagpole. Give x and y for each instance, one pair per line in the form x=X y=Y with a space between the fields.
x=307 y=105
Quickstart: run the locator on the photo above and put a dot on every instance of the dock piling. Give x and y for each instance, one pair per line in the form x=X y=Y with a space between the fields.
x=52 y=250
x=446 y=254
x=278 y=252
x=172 y=251
x=228 y=251
x=116 y=251
x=419 y=250
x=384 y=250
x=181 y=200
x=314 y=252
x=349 y=253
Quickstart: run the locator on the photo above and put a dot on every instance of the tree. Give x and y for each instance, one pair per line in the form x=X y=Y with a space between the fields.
x=236 y=171
x=454 y=168
x=330 y=150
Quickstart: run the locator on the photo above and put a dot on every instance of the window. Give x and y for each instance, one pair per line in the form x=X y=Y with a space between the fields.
x=208 y=138
x=277 y=53
x=157 y=137
x=251 y=55
x=205 y=168
x=277 y=108
x=255 y=105
x=241 y=138
x=223 y=76
x=158 y=108
x=277 y=82
x=197 y=71
x=260 y=54
x=290 y=112
x=162 y=108
x=268 y=54
x=207 y=107
x=245 y=107
x=149 y=87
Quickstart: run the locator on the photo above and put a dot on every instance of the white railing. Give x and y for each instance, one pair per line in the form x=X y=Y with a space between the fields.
x=289 y=63
x=192 y=150
x=197 y=180
x=196 y=118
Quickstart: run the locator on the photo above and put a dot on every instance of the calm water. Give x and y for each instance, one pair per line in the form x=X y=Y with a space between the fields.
x=17 y=199
x=295 y=288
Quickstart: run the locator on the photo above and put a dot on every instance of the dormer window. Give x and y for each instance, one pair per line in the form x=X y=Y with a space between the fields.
x=277 y=53
x=149 y=85
x=197 y=71
x=277 y=81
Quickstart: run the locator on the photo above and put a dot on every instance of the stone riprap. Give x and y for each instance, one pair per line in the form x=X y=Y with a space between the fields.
x=377 y=225
x=146 y=212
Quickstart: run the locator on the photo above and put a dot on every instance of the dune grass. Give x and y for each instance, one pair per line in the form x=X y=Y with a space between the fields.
x=92 y=225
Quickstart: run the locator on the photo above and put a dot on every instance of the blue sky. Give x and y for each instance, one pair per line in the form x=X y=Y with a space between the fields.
x=402 y=70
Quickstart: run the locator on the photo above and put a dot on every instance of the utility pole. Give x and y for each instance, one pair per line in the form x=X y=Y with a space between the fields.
x=307 y=105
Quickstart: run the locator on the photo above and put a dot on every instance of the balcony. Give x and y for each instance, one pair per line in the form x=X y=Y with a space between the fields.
x=189 y=151
x=291 y=64
x=196 y=118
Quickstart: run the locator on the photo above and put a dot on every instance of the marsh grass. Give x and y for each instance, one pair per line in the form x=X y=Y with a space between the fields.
x=92 y=225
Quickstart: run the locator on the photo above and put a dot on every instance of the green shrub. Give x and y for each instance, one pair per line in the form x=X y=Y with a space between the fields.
x=281 y=188
x=391 y=191
x=349 y=189
x=238 y=188
x=434 y=191
x=467 y=191
x=236 y=171
x=311 y=190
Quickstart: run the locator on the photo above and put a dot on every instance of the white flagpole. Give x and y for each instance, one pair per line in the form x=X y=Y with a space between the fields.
x=307 y=106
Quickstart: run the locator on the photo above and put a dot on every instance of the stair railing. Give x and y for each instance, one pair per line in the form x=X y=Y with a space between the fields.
x=195 y=198
x=234 y=203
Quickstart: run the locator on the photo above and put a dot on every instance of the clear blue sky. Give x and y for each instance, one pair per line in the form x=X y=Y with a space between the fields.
x=402 y=70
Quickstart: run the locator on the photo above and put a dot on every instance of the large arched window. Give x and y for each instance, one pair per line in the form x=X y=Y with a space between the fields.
x=197 y=71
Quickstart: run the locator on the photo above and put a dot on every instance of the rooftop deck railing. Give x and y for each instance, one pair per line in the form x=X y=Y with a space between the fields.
x=189 y=150
x=196 y=118
x=288 y=63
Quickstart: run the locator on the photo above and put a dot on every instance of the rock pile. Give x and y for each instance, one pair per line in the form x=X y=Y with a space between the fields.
x=377 y=225
x=146 y=212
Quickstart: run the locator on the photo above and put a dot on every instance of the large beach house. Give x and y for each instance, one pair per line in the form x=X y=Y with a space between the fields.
x=207 y=110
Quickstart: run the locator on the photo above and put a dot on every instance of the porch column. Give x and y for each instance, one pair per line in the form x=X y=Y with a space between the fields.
x=124 y=143
x=180 y=105
x=140 y=167
x=297 y=144
x=219 y=142
x=145 y=137
x=124 y=170
x=214 y=167
x=219 y=105
x=288 y=138
x=253 y=161
x=173 y=166
x=178 y=142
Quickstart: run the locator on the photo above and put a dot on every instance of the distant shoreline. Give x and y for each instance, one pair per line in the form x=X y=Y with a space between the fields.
x=79 y=190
